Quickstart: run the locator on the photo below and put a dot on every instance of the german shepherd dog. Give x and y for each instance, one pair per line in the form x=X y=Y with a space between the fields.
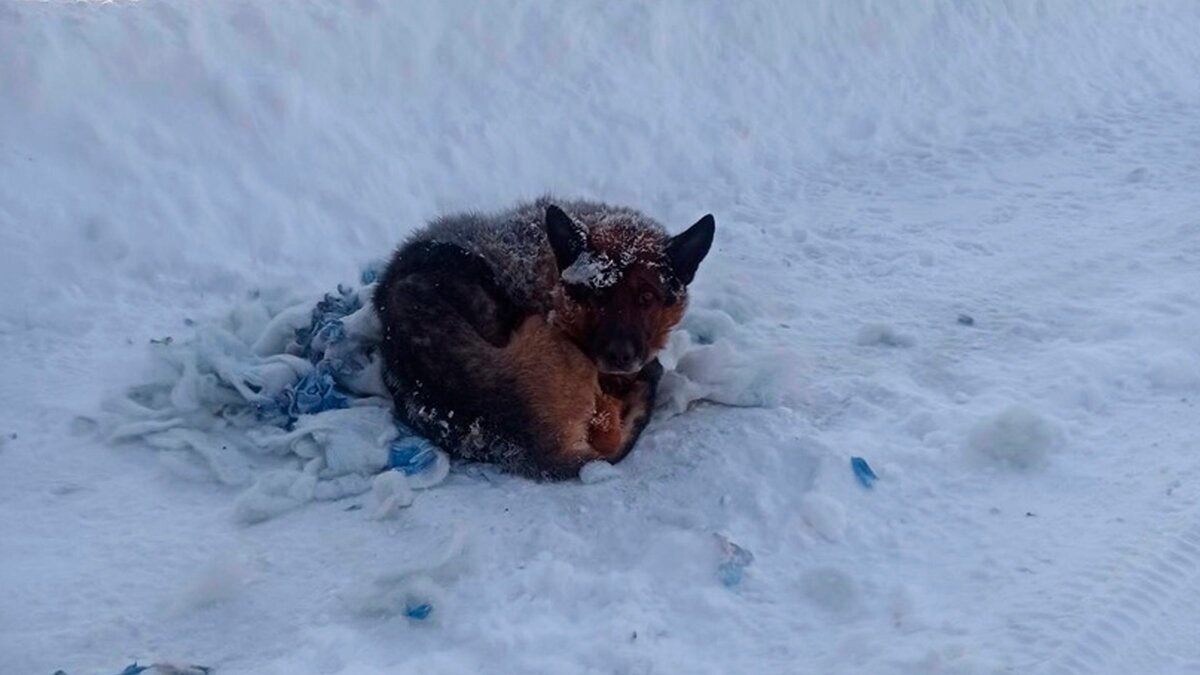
x=528 y=337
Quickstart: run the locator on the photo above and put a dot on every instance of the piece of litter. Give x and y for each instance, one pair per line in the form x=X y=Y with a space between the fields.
x=863 y=472
x=418 y=612
x=731 y=571
x=422 y=462
x=411 y=455
x=966 y=320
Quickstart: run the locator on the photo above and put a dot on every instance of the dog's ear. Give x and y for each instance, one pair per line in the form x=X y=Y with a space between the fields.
x=686 y=249
x=567 y=239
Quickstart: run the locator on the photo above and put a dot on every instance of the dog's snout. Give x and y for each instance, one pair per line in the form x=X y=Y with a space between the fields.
x=621 y=355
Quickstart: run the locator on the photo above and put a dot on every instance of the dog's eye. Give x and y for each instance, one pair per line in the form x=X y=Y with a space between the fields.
x=646 y=298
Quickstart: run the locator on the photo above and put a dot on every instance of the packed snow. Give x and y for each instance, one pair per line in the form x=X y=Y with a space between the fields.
x=960 y=241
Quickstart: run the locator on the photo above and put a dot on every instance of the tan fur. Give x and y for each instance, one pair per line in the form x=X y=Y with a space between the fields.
x=608 y=429
x=563 y=388
x=565 y=392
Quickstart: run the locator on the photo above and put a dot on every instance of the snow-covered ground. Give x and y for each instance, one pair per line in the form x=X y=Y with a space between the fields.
x=960 y=240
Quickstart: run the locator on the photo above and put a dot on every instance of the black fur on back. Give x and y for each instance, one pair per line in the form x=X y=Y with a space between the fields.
x=441 y=312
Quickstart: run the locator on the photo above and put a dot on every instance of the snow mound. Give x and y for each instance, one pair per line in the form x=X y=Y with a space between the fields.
x=598 y=472
x=1175 y=370
x=832 y=590
x=825 y=515
x=1017 y=438
x=884 y=335
x=708 y=360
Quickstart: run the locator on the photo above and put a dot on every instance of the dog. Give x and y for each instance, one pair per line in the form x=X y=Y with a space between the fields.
x=528 y=338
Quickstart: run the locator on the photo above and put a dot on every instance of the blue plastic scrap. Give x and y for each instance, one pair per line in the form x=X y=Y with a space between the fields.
x=373 y=271
x=419 y=612
x=863 y=472
x=412 y=455
x=731 y=571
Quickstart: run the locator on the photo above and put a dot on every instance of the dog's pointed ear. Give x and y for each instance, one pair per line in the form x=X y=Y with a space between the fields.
x=567 y=239
x=686 y=249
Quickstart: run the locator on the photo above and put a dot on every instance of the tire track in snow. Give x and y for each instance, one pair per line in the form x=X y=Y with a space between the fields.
x=1135 y=604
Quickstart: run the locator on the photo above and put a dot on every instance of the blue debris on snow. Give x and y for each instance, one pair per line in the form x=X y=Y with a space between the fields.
x=731 y=571
x=318 y=391
x=411 y=455
x=315 y=392
x=863 y=472
x=372 y=272
x=418 y=612
x=275 y=386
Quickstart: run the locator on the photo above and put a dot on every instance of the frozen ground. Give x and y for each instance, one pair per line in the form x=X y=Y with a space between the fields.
x=876 y=170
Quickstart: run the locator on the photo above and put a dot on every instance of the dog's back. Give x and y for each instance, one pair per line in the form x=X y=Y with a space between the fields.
x=513 y=243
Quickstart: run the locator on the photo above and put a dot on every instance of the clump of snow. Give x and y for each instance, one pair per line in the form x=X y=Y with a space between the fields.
x=883 y=334
x=597 y=472
x=390 y=492
x=274 y=493
x=825 y=515
x=902 y=609
x=1016 y=438
x=832 y=589
x=219 y=580
x=722 y=373
x=1174 y=370
x=706 y=326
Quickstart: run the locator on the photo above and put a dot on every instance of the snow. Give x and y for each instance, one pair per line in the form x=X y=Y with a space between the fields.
x=825 y=515
x=1017 y=438
x=592 y=271
x=877 y=170
x=598 y=472
x=880 y=334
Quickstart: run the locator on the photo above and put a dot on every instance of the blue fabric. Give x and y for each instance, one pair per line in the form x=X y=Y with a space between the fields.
x=315 y=392
x=863 y=472
x=320 y=342
x=276 y=396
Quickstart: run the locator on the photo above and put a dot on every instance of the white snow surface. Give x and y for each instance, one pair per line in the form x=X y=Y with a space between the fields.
x=876 y=169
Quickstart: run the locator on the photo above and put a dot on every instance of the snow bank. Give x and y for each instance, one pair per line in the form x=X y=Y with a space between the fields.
x=193 y=146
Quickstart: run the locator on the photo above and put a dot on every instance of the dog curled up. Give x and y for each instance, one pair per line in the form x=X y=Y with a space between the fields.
x=528 y=338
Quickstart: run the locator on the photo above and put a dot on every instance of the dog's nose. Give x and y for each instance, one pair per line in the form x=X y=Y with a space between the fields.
x=620 y=355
